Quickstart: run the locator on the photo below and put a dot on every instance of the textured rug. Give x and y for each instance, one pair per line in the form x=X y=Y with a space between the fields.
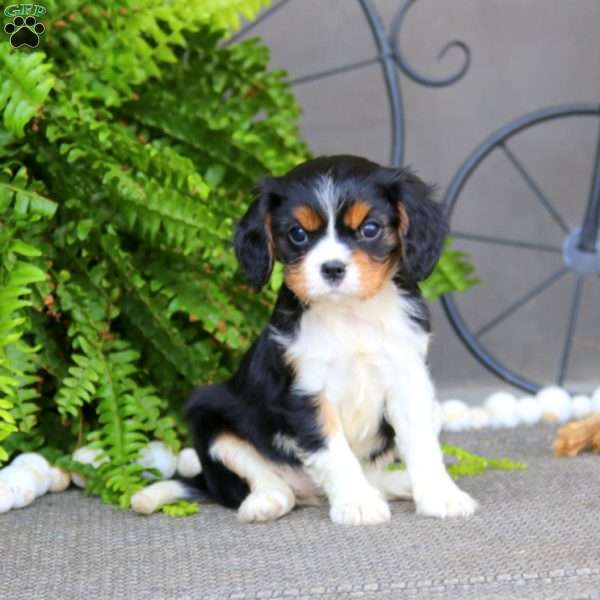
x=536 y=535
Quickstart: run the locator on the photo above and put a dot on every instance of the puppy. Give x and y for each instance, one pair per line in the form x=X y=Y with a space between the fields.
x=336 y=386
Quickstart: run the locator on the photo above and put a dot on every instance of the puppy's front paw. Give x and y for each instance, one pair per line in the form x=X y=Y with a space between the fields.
x=443 y=500
x=363 y=507
x=265 y=505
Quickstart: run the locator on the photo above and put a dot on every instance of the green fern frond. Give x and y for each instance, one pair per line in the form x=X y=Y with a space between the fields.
x=17 y=277
x=26 y=81
x=452 y=273
x=119 y=291
x=183 y=508
x=20 y=195
x=468 y=464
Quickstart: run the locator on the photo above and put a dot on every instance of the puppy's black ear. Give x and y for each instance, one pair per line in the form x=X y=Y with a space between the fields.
x=253 y=239
x=422 y=222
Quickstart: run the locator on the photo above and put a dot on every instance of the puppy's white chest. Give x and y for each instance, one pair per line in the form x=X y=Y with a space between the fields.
x=350 y=352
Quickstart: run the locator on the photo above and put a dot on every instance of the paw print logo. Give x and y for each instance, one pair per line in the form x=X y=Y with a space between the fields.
x=24 y=32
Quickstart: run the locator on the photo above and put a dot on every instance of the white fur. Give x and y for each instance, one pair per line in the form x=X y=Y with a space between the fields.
x=393 y=485
x=348 y=351
x=327 y=196
x=270 y=496
x=337 y=471
x=366 y=357
x=158 y=494
x=330 y=249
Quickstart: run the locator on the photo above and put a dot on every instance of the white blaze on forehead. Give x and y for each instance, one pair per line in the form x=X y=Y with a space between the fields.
x=329 y=248
x=327 y=196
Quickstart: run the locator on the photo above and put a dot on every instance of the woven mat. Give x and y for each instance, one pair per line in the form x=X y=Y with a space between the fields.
x=537 y=535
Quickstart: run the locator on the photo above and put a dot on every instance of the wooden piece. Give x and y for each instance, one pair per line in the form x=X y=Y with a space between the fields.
x=578 y=437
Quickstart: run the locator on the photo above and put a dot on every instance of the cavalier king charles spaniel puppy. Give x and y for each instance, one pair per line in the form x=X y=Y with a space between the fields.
x=337 y=386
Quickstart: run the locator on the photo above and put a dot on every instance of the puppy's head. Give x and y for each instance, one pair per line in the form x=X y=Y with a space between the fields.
x=342 y=226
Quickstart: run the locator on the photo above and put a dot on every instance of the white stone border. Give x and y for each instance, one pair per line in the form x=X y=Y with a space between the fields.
x=502 y=409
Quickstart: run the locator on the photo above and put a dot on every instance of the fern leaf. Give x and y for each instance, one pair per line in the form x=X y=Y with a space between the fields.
x=16 y=279
x=26 y=82
x=452 y=273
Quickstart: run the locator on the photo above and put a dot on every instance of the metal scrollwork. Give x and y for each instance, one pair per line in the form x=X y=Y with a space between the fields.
x=389 y=57
x=409 y=71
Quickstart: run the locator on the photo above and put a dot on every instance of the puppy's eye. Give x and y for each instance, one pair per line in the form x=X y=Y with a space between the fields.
x=370 y=230
x=297 y=235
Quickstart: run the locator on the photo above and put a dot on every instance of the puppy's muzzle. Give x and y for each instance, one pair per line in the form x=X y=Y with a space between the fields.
x=333 y=271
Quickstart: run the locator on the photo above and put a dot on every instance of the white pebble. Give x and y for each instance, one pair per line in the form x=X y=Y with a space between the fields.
x=40 y=468
x=596 y=401
x=529 y=410
x=7 y=498
x=156 y=455
x=581 y=407
x=21 y=482
x=455 y=415
x=188 y=463
x=555 y=403
x=33 y=460
x=87 y=456
x=59 y=480
x=502 y=407
x=479 y=417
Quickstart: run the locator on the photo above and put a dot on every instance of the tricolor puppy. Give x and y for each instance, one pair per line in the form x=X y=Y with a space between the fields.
x=337 y=384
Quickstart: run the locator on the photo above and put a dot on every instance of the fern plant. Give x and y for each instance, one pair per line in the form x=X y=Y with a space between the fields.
x=128 y=148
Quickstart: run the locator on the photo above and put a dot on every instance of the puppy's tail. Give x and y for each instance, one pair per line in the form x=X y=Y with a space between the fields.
x=195 y=488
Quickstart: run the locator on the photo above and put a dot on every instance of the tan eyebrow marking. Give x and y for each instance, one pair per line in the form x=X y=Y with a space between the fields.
x=308 y=218
x=356 y=214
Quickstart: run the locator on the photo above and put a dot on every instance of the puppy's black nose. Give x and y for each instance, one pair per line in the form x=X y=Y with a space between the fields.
x=333 y=271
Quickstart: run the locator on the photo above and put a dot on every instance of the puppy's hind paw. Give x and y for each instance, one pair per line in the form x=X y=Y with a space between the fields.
x=363 y=508
x=266 y=505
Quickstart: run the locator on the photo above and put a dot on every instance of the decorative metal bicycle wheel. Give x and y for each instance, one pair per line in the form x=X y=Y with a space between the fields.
x=580 y=249
x=579 y=253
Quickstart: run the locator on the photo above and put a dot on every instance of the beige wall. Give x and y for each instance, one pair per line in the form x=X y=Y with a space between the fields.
x=525 y=54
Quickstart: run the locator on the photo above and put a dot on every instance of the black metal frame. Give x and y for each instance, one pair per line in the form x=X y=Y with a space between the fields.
x=577 y=257
x=389 y=56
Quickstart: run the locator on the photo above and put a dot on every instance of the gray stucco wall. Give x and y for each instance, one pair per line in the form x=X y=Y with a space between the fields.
x=525 y=54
